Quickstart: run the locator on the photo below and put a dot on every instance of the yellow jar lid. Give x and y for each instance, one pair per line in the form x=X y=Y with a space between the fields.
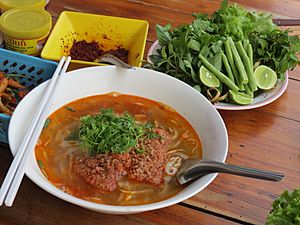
x=25 y=23
x=9 y=4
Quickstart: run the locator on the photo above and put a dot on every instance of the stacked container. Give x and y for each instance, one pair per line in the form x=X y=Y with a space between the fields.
x=25 y=25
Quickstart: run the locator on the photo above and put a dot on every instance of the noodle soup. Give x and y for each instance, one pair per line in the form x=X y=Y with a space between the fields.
x=144 y=174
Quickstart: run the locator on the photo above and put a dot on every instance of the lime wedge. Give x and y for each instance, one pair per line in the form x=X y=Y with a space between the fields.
x=265 y=77
x=208 y=78
x=240 y=98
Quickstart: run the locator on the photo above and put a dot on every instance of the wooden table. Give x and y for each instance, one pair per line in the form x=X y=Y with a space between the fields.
x=266 y=138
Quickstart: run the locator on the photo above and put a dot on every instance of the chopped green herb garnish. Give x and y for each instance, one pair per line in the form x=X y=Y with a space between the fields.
x=108 y=132
x=47 y=122
x=149 y=125
x=41 y=165
x=70 y=108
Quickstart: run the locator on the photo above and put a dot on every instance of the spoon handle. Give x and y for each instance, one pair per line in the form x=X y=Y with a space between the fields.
x=195 y=168
x=109 y=58
x=244 y=171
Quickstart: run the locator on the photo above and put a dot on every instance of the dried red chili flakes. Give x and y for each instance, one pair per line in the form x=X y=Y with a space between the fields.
x=89 y=51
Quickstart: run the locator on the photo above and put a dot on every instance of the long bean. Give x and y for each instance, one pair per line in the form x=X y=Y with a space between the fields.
x=250 y=54
x=222 y=77
x=232 y=65
x=238 y=62
x=247 y=64
x=245 y=44
x=227 y=67
x=248 y=91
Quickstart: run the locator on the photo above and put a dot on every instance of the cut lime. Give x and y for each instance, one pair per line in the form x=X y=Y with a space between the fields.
x=240 y=98
x=265 y=77
x=208 y=78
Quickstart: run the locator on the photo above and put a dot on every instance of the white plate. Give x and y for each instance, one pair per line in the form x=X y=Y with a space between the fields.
x=141 y=82
x=261 y=100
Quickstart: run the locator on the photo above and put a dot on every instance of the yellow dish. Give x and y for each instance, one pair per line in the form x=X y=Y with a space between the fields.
x=109 y=32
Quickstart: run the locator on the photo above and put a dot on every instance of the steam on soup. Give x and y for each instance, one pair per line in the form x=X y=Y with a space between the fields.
x=116 y=149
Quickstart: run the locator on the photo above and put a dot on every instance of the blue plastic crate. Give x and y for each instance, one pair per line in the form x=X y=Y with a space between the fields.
x=36 y=71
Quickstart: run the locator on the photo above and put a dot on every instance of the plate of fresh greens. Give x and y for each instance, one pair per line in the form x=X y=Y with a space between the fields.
x=238 y=59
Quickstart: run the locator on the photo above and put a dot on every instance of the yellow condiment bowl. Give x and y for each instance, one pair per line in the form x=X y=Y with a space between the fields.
x=25 y=30
x=110 y=32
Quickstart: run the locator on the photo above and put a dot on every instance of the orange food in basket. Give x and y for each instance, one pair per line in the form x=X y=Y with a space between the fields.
x=11 y=93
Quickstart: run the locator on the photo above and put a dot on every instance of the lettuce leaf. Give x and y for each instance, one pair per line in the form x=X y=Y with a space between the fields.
x=286 y=209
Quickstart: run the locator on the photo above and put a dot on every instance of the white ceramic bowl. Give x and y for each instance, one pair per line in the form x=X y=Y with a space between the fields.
x=140 y=82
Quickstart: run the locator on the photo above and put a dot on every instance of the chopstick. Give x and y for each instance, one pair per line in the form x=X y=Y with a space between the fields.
x=287 y=22
x=16 y=171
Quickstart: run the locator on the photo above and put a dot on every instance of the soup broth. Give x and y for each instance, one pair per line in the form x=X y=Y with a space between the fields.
x=58 y=147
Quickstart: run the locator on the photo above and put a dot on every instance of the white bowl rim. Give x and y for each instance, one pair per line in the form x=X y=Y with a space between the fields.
x=50 y=188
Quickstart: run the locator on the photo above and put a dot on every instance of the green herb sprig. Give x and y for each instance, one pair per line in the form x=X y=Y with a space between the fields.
x=181 y=47
x=286 y=209
x=108 y=132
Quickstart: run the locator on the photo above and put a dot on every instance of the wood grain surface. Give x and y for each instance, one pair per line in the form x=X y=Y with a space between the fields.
x=266 y=138
x=34 y=206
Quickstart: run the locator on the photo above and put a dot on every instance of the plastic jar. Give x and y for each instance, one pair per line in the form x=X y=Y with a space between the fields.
x=25 y=30
x=10 y=4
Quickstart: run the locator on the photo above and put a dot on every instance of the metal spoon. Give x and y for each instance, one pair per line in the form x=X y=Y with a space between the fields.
x=109 y=58
x=195 y=168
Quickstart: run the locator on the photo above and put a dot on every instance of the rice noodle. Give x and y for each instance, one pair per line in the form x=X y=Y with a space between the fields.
x=124 y=197
x=74 y=118
x=174 y=122
x=167 y=179
x=174 y=133
x=140 y=116
x=192 y=140
x=128 y=197
x=94 y=199
x=174 y=145
x=68 y=152
x=135 y=192
x=175 y=151
x=139 y=103
x=185 y=134
x=70 y=158
x=45 y=154
x=49 y=140
x=183 y=156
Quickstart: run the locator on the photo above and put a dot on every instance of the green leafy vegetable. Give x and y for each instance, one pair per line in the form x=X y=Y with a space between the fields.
x=108 y=132
x=260 y=42
x=70 y=108
x=42 y=168
x=47 y=122
x=274 y=47
x=286 y=209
